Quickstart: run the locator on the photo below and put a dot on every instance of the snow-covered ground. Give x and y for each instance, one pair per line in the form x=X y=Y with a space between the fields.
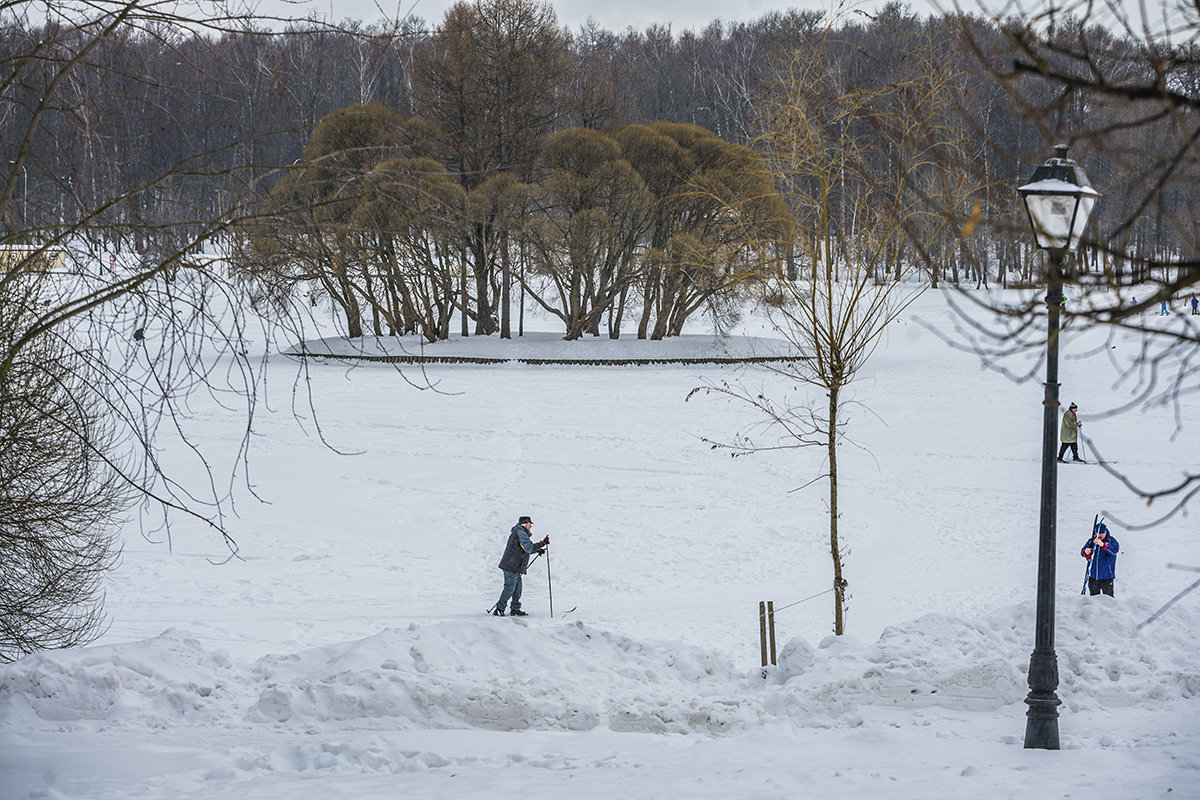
x=347 y=654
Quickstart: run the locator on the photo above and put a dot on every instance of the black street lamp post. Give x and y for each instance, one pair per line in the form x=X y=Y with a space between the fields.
x=1059 y=200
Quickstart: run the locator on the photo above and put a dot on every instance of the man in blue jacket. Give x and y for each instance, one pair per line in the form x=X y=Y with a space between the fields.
x=1102 y=568
x=514 y=562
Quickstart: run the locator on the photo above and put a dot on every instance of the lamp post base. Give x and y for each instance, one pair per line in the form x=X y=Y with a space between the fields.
x=1041 y=723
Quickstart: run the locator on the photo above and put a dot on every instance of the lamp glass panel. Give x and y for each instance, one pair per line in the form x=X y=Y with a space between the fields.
x=1051 y=215
x=1086 y=202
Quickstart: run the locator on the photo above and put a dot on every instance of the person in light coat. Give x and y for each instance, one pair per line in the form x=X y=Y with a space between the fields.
x=1069 y=434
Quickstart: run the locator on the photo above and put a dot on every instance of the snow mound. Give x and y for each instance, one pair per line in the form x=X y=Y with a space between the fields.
x=168 y=680
x=937 y=660
x=494 y=675
x=466 y=674
x=1106 y=661
x=509 y=675
x=982 y=665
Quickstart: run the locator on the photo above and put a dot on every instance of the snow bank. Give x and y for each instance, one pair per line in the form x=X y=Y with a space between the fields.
x=509 y=675
x=981 y=665
x=445 y=675
x=473 y=674
x=158 y=683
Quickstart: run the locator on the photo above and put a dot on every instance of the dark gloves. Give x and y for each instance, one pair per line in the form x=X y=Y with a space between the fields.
x=541 y=550
x=545 y=541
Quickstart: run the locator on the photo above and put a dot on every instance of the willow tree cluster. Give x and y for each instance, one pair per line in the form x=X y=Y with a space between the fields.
x=605 y=225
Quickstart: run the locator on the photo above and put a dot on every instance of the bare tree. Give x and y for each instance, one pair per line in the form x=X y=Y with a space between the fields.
x=823 y=139
x=368 y=219
x=695 y=252
x=110 y=320
x=494 y=80
x=593 y=212
x=61 y=496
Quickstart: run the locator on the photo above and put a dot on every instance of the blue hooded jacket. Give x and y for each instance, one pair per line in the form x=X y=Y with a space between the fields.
x=1104 y=559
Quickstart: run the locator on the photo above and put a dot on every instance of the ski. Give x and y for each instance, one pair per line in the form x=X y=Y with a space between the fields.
x=1087 y=570
x=489 y=611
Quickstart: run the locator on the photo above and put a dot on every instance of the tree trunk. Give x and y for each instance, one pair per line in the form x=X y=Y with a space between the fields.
x=354 y=328
x=485 y=322
x=463 y=298
x=839 y=584
x=648 y=300
x=506 y=289
x=615 y=315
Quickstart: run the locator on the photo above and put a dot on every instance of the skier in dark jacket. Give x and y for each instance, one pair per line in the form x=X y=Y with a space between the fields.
x=1102 y=549
x=514 y=562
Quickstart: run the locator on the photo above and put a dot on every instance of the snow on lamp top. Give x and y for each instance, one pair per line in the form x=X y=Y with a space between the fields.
x=1059 y=199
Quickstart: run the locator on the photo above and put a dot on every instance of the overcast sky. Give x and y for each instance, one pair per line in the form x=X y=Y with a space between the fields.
x=615 y=15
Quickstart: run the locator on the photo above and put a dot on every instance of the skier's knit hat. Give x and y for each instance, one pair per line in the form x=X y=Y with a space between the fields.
x=523 y=520
x=1073 y=406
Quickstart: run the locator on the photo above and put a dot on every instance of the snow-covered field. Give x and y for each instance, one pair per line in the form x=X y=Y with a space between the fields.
x=347 y=654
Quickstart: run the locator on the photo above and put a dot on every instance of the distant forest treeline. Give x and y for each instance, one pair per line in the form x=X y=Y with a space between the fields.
x=170 y=126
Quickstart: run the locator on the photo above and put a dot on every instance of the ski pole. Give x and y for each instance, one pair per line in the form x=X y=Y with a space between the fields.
x=1087 y=571
x=549 y=583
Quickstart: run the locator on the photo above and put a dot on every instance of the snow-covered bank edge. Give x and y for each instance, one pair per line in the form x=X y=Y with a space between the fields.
x=549 y=348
